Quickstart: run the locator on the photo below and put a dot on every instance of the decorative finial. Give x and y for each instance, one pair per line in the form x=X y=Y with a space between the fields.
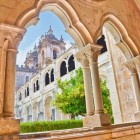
x=50 y=31
x=61 y=39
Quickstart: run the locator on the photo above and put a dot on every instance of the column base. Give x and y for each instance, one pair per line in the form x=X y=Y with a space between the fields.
x=9 y=137
x=97 y=120
x=9 y=128
x=137 y=116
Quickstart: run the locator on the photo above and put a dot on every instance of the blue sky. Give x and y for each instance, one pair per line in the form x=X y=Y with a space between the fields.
x=34 y=33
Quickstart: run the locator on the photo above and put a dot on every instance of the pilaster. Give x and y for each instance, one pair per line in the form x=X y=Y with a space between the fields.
x=132 y=67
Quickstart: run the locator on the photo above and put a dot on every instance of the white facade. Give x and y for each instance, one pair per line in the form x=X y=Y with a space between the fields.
x=37 y=105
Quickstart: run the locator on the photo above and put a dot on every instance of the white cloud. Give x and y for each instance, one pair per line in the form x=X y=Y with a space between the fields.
x=22 y=53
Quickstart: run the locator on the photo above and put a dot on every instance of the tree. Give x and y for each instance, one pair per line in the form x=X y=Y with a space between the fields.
x=71 y=100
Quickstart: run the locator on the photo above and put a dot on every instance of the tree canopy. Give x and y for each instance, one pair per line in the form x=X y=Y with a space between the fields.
x=71 y=99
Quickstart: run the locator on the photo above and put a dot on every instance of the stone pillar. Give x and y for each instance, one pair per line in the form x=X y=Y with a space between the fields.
x=10 y=83
x=3 y=49
x=96 y=88
x=87 y=84
x=99 y=118
x=9 y=39
x=131 y=65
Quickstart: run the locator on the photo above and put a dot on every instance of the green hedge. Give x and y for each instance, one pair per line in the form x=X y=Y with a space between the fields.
x=40 y=126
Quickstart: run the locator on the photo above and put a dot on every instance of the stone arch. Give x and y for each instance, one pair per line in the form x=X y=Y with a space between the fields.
x=24 y=113
x=29 y=113
x=28 y=91
x=35 y=111
x=121 y=49
x=64 y=58
x=54 y=53
x=37 y=84
x=52 y=75
x=121 y=35
x=71 y=63
x=34 y=87
x=20 y=96
x=47 y=79
x=63 y=68
x=67 y=15
x=48 y=108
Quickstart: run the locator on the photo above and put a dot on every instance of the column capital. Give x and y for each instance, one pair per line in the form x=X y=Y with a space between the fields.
x=90 y=52
x=136 y=61
x=80 y=56
x=11 y=33
x=131 y=67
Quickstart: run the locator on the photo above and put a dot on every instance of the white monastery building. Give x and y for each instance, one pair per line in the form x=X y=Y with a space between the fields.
x=36 y=81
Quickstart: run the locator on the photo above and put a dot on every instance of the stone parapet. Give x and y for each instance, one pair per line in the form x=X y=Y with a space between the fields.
x=125 y=131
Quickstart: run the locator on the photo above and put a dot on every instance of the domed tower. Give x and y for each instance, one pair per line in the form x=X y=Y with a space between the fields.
x=32 y=58
x=49 y=48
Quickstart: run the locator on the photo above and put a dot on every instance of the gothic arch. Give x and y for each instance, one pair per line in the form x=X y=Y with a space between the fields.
x=118 y=30
x=45 y=97
x=48 y=108
x=64 y=58
x=52 y=75
x=63 y=68
x=47 y=79
x=65 y=12
x=71 y=63
x=35 y=111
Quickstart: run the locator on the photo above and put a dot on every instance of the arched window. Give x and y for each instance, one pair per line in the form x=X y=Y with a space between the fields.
x=27 y=78
x=47 y=79
x=27 y=91
x=52 y=75
x=71 y=63
x=54 y=54
x=101 y=41
x=53 y=114
x=20 y=97
x=63 y=68
x=34 y=88
x=37 y=85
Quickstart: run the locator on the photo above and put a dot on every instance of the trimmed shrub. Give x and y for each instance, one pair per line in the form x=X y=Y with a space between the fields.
x=40 y=126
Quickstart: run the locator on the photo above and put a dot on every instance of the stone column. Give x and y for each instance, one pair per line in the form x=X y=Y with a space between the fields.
x=87 y=83
x=131 y=65
x=3 y=49
x=10 y=83
x=99 y=118
x=9 y=39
